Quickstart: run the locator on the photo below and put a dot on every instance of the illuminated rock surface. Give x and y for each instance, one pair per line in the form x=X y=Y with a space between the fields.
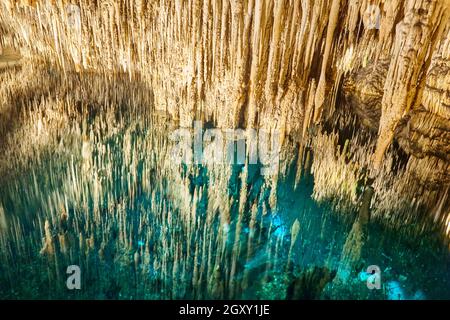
x=358 y=96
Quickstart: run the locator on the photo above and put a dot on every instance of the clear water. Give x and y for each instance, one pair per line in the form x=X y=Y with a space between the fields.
x=137 y=231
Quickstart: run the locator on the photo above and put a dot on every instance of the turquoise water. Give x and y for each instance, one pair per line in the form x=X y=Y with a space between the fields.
x=140 y=227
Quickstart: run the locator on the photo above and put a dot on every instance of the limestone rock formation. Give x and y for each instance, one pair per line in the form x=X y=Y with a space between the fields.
x=353 y=247
x=422 y=132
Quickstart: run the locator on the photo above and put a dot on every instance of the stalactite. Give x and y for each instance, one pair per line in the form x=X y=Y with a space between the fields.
x=387 y=24
x=353 y=247
x=414 y=36
x=321 y=86
x=96 y=92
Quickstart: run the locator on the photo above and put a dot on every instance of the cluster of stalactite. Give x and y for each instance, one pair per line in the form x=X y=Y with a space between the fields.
x=84 y=160
x=403 y=96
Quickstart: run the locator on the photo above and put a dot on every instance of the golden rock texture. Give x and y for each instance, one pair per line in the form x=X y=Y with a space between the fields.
x=424 y=131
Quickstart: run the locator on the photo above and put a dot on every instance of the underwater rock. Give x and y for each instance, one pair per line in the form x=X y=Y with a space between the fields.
x=364 y=210
x=352 y=251
x=49 y=247
x=309 y=284
x=395 y=291
x=216 y=286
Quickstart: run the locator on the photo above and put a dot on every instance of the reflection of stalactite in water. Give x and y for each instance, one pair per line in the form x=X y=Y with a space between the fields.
x=353 y=247
x=48 y=247
x=419 y=31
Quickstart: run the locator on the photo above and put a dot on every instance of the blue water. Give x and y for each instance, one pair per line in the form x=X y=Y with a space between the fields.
x=412 y=268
